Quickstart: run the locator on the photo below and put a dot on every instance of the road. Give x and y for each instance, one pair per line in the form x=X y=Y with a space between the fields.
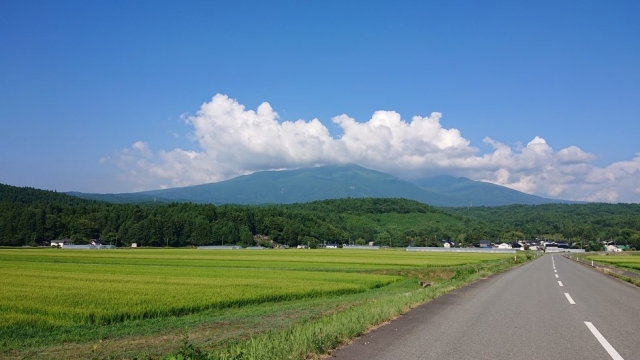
x=550 y=308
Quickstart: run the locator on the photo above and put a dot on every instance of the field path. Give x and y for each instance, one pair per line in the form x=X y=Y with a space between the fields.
x=551 y=308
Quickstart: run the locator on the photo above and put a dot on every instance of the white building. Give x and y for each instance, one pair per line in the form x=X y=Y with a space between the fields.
x=60 y=243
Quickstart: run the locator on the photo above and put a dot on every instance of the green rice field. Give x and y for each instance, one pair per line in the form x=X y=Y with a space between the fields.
x=626 y=260
x=53 y=296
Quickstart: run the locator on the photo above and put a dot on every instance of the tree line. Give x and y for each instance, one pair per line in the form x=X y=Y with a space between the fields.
x=30 y=217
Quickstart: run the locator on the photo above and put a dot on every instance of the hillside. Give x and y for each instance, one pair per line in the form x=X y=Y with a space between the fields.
x=331 y=182
x=301 y=186
x=466 y=192
x=31 y=216
x=125 y=198
x=27 y=195
x=45 y=217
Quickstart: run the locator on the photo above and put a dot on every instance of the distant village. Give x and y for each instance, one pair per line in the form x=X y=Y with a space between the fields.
x=484 y=245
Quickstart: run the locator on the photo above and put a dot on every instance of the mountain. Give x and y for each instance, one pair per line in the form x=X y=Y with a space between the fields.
x=302 y=185
x=467 y=192
x=331 y=182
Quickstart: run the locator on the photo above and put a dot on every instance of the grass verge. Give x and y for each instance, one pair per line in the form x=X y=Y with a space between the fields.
x=313 y=339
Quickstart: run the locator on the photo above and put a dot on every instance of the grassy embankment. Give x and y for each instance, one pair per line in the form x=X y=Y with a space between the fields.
x=234 y=304
x=627 y=261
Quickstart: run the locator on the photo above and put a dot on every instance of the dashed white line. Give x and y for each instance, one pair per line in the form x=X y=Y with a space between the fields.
x=605 y=344
x=570 y=299
x=560 y=283
x=554 y=270
x=557 y=275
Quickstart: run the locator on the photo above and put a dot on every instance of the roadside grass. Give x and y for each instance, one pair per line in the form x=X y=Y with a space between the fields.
x=624 y=266
x=626 y=260
x=341 y=292
x=312 y=340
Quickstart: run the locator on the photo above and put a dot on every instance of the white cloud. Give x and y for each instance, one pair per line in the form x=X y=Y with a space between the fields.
x=233 y=140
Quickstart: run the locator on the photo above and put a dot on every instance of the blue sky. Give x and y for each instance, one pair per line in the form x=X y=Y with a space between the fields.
x=118 y=96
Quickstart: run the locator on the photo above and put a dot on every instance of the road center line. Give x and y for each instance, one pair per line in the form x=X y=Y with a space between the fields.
x=560 y=283
x=556 y=275
x=605 y=344
x=554 y=270
x=570 y=299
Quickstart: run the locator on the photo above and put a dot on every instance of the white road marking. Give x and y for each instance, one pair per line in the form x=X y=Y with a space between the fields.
x=557 y=275
x=560 y=283
x=554 y=270
x=570 y=299
x=605 y=344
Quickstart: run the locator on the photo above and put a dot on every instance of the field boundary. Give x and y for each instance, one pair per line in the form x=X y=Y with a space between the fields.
x=613 y=271
x=317 y=339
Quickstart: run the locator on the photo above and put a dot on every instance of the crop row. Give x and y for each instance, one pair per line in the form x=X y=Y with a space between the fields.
x=628 y=261
x=72 y=293
x=286 y=259
x=47 y=288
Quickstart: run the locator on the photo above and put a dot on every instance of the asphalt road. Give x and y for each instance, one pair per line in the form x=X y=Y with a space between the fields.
x=550 y=308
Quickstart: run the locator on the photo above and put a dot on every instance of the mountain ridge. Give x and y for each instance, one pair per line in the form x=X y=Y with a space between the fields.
x=332 y=182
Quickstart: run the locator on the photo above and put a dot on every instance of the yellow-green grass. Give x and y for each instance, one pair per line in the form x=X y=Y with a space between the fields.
x=44 y=291
x=325 y=260
x=630 y=261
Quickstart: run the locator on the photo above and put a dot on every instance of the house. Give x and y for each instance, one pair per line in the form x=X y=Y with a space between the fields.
x=614 y=248
x=485 y=243
x=60 y=243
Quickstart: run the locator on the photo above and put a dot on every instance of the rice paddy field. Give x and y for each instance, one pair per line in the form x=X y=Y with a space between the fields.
x=625 y=260
x=152 y=303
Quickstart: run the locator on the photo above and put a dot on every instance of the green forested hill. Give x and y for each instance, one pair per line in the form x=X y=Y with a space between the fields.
x=389 y=221
x=27 y=195
x=31 y=216
x=587 y=223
